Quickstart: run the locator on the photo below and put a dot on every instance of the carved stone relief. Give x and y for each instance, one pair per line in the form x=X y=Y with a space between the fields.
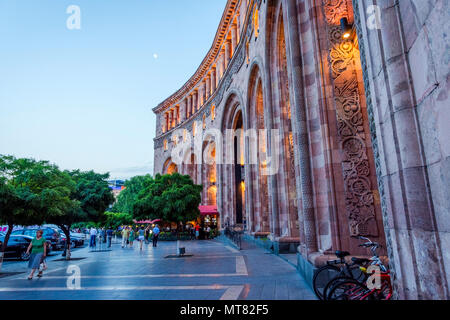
x=359 y=196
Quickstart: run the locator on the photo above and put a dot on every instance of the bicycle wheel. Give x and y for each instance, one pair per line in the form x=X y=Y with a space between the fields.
x=332 y=283
x=348 y=290
x=321 y=278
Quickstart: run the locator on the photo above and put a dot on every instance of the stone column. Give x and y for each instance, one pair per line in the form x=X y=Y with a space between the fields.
x=233 y=36
x=201 y=99
x=223 y=63
x=208 y=86
x=170 y=119
x=227 y=52
x=195 y=97
x=186 y=106
x=238 y=31
x=300 y=129
x=174 y=118
x=190 y=105
x=213 y=80
x=204 y=90
x=183 y=111
x=166 y=122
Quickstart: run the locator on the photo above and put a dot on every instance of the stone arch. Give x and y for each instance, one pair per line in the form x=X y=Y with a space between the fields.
x=170 y=167
x=190 y=165
x=209 y=173
x=230 y=192
x=281 y=112
x=257 y=184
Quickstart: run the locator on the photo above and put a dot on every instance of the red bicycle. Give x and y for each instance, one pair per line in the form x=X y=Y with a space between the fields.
x=376 y=285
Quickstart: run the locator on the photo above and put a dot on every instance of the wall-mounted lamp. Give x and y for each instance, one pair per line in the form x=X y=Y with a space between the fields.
x=347 y=29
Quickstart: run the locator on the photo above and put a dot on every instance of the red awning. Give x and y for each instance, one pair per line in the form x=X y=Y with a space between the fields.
x=208 y=210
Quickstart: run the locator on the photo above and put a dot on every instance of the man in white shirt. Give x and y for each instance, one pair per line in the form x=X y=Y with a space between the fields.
x=93 y=233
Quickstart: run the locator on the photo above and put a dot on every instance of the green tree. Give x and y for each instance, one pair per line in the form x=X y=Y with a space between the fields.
x=92 y=195
x=128 y=197
x=32 y=192
x=173 y=198
x=117 y=219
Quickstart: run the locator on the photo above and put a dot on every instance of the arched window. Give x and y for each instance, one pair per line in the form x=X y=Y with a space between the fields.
x=204 y=121
x=194 y=128
x=256 y=21
x=166 y=147
x=247 y=51
x=213 y=112
x=175 y=140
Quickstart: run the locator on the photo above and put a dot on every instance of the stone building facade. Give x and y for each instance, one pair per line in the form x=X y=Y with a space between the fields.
x=311 y=131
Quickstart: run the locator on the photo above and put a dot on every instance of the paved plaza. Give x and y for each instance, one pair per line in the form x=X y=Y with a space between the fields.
x=213 y=271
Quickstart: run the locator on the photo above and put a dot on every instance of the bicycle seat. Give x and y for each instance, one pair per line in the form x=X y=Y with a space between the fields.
x=342 y=254
x=360 y=261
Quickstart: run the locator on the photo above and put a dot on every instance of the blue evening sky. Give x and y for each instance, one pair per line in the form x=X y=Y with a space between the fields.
x=83 y=98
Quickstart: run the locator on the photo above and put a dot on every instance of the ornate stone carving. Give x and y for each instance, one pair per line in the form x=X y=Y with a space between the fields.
x=359 y=196
x=335 y=10
x=236 y=65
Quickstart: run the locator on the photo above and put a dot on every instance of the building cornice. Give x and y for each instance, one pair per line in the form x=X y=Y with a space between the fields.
x=207 y=61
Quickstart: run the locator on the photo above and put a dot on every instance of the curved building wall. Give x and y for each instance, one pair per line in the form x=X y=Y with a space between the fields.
x=312 y=139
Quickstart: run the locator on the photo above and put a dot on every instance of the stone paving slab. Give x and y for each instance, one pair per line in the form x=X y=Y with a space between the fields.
x=215 y=271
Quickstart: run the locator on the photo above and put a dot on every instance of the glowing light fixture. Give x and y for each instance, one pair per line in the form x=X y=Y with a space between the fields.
x=347 y=29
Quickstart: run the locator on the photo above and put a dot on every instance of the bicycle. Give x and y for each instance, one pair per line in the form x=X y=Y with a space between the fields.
x=347 y=288
x=334 y=269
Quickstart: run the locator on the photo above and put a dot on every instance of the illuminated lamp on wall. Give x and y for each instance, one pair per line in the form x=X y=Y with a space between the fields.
x=347 y=29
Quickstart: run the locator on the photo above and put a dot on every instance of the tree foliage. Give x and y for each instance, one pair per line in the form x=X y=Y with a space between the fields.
x=93 y=193
x=32 y=192
x=128 y=197
x=92 y=197
x=117 y=219
x=173 y=198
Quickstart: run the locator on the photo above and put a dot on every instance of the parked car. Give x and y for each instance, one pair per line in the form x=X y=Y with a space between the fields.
x=17 y=246
x=75 y=239
x=50 y=234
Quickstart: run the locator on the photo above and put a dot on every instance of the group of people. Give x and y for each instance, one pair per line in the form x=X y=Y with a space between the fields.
x=129 y=235
x=105 y=235
x=195 y=231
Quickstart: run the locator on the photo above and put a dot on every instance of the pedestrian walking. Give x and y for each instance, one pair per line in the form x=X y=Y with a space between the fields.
x=38 y=253
x=103 y=235
x=147 y=234
x=93 y=233
x=141 y=237
x=125 y=235
x=109 y=235
x=131 y=237
x=208 y=232
x=197 y=231
x=156 y=232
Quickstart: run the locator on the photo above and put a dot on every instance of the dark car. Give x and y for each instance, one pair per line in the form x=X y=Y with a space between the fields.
x=17 y=246
x=50 y=234
x=75 y=240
